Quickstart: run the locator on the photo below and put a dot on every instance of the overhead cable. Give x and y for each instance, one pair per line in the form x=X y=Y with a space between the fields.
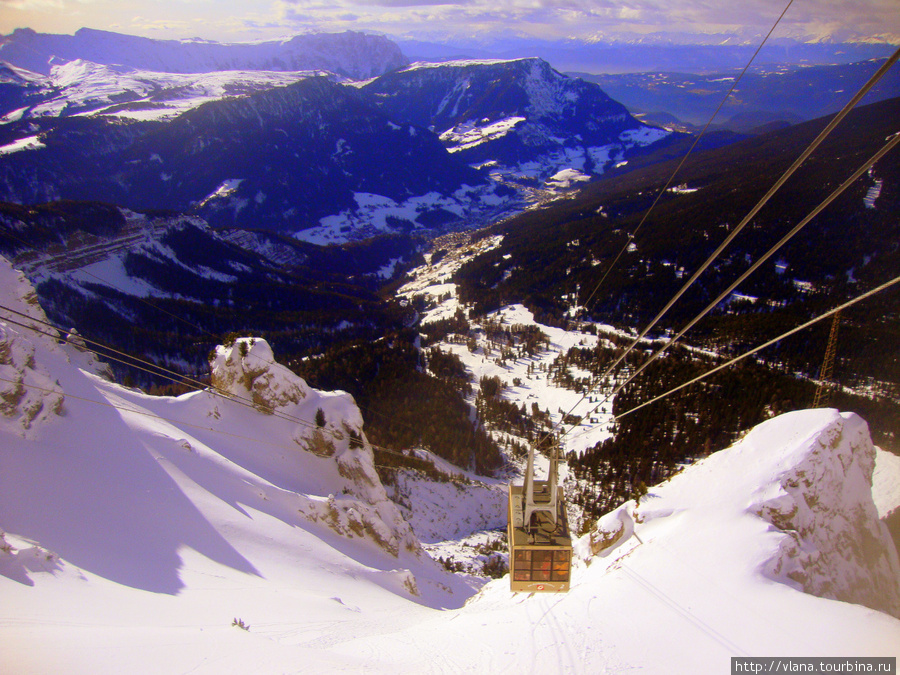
x=892 y=142
x=762 y=202
x=686 y=155
x=771 y=342
x=777 y=185
x=214 y=391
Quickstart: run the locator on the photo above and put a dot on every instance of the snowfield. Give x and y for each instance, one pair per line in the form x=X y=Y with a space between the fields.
x=377 y=214
x=248 y=532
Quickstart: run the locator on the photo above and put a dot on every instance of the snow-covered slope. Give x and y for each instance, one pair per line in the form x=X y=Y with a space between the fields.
x=690 y=583
x=350 y=54
x=238 y=534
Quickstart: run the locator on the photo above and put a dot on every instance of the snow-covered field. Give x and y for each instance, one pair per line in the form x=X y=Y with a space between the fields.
x=211 y=534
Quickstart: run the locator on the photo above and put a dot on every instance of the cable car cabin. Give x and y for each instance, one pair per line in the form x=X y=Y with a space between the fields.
x=540 y=556
x=540 y=546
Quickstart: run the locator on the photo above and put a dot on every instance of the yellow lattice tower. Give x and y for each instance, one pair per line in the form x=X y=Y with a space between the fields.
x=824 y=390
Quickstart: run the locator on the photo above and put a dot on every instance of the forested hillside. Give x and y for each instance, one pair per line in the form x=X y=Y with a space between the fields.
x=404 y=405
x=563 y=251
x=165 y=287
x=553 y=260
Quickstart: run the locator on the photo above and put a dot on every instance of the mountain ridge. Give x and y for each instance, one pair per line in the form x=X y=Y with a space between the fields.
x=351 y=54
x=323 y=143
x=332 y=162
x=660 y=53
x=519 y=119
x=805 y=92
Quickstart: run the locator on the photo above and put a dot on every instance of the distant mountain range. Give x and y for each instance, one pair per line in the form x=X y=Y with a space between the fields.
x=354 y=55
x=82 y=87
x=787 y=93
x=359 y=56
x=650 y=53
x=280 y=159
x=424 y=148
x=334 y=138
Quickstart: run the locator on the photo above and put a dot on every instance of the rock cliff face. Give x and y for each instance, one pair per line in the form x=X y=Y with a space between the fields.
x=834 y=545
x=28 y=395
x=328 y=425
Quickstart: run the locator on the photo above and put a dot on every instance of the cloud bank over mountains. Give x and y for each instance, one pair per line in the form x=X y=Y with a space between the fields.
x=225 y=20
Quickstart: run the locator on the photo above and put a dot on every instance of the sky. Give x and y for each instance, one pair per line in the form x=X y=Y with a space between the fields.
x=236 y=20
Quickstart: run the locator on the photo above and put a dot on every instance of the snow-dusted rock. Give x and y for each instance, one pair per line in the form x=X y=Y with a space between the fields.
x=81 y=355
x=28 y=395
x=834 y=544
x=247 y=369
x=328 y=425
x=612 y=530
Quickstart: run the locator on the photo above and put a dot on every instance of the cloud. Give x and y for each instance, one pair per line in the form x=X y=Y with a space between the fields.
x=170 y=26
x=447 y=20
x=33 y=5
x=401 y=3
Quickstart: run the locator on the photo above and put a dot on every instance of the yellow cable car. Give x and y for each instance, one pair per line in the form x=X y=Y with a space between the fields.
x=540 y=546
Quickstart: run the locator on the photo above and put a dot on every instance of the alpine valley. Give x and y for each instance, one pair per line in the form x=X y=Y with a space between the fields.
x=309 y=154
x=280 y=320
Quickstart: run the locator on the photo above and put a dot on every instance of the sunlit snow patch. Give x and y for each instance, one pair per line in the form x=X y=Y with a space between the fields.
x=377 y=214
x=469 y=134
x=643 y=136
x=30 y=143
x=228 y=187
x=566 y=177
x=682 y=189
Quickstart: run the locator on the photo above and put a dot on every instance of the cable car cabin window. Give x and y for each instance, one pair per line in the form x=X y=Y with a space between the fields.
x=541 y=565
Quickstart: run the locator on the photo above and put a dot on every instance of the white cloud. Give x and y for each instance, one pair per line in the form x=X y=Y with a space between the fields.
x=579 y=18
x=233 y=20
x=32 y=5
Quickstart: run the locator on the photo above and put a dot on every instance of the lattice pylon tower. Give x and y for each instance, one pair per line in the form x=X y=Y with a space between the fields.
x=824 y=390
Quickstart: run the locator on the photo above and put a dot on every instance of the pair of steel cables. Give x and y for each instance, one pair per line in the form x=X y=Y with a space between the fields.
x=887 y=147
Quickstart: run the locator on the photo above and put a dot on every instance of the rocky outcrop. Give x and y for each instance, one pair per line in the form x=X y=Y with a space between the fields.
x=28 y=395
x=792 y=501
x=328 y=425
x=246 y=368
x=834 y=544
